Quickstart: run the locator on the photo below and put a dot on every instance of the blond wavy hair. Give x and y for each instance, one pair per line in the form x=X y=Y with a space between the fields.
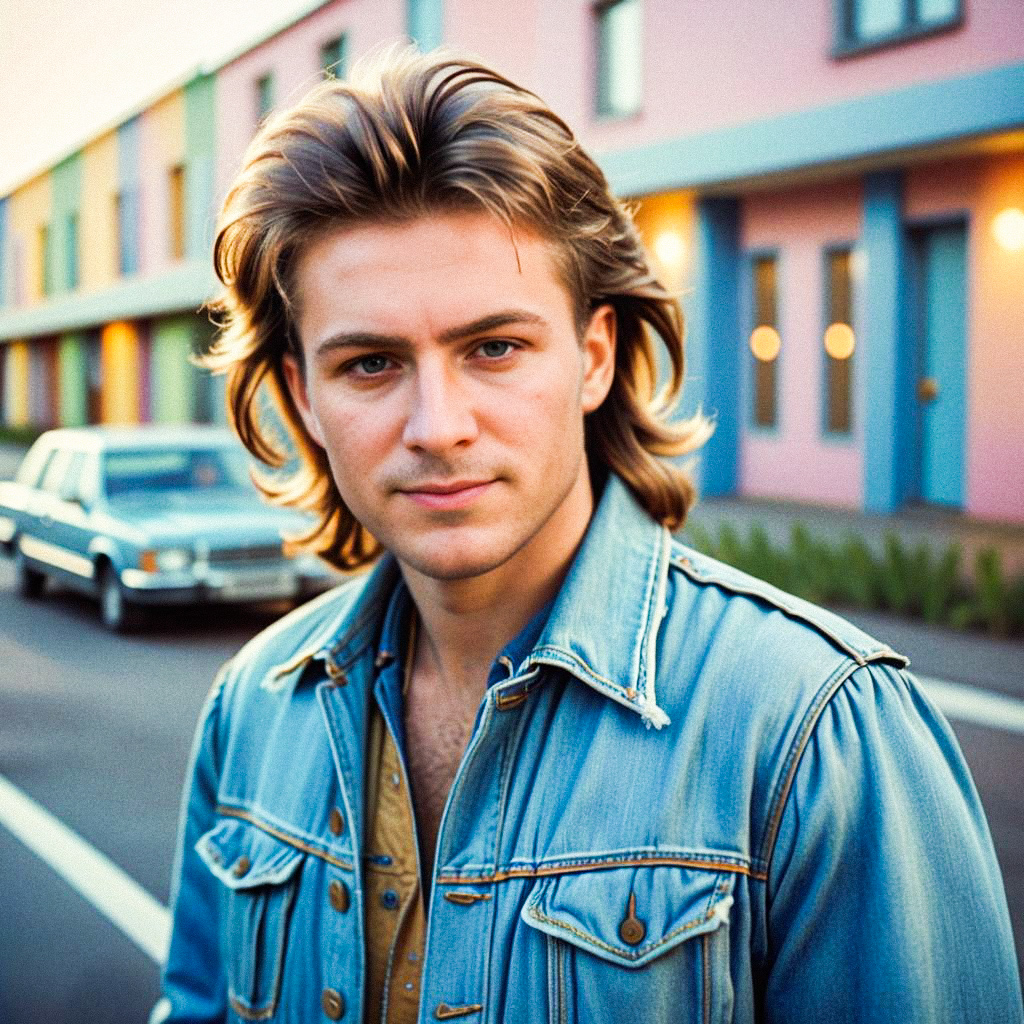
x=406 y=136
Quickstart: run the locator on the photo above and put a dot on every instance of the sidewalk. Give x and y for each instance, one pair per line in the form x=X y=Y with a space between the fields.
x=915 y=525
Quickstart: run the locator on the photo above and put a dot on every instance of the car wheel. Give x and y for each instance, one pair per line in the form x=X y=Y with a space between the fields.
x=29 y=582
x=116 y=611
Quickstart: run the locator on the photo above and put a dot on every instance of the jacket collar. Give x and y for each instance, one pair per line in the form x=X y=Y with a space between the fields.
x=603 y=625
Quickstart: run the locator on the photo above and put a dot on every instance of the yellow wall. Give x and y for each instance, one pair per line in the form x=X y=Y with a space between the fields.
x=16 y=383
x=28 y=209
x=119 y=362
x=97 y=224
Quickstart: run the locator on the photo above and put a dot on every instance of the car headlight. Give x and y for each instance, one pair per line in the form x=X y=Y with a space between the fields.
x=165 y=560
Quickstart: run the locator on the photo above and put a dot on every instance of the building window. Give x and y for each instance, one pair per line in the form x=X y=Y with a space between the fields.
x=176 y=212
x=334 y=57
x=867 y=23
x=839 y=341
x=71 y=251
x=619 y=57
x=765 y=342
x=45 y=261
x=264 y=96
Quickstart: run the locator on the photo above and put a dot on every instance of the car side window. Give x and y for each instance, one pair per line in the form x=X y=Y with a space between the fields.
x=35 y=463
x=57 y=471
x=88 y=484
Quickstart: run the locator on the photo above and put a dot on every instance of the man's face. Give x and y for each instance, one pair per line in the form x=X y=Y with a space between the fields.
x=445 y=379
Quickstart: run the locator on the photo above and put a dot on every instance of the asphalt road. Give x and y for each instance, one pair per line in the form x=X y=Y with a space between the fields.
x=96 y=729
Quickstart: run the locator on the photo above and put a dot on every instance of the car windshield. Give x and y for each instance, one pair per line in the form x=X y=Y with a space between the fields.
x=174 y=469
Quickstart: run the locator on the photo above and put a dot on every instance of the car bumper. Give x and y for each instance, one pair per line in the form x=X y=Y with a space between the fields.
x=221 y=587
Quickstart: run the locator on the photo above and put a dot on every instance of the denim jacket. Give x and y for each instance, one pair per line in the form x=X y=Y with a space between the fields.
x=696 y=799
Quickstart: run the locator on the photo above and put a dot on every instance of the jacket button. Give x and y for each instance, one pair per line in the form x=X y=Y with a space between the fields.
x=241 y=866
x=333 y=1003
x=335 y=822
x=632 y=930
x=339 y=896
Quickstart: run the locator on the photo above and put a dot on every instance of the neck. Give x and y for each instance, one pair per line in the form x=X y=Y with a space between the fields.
x=465 y=623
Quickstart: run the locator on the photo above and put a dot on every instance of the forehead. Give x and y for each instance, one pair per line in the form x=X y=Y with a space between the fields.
x=424 y=274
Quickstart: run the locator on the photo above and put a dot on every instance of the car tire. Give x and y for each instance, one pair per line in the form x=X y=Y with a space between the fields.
x=116 y=612
x=29 y=583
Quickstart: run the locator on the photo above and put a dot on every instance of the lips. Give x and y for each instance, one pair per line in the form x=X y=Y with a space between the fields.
x=451 y=494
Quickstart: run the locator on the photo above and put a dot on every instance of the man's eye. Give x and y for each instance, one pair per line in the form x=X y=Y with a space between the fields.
x=496 y=348
x=369 y=366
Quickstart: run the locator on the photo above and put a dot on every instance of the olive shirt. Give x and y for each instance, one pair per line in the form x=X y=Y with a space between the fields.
x=394 y=907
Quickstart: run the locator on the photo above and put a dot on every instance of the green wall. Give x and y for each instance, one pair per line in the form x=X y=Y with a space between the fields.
x=199 y=167
x=66 y=182
x=72 y=373
x=172 y=375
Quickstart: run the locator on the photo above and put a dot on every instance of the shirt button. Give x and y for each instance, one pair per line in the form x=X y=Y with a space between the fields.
x=335 y=822
x=389 y=899
x=333 y=1003
x=339 y=896
x=241 y=866
x=395 y=779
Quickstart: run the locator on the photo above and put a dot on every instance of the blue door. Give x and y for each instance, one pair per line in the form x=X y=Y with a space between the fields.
x=941 y=322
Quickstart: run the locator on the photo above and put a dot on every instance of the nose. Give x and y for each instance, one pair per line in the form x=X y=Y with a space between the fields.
x=441 y=416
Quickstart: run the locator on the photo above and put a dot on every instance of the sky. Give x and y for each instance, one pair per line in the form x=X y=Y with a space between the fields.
x=71 y=67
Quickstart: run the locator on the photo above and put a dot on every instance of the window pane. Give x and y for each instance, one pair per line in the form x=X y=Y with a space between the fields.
x=71 y=240
x=839 y=343
x=264 y=96
x=177 y=212
x=935 y=12
x=620 y=58
x=764 y=342
x=875 y=18
x=333 y=57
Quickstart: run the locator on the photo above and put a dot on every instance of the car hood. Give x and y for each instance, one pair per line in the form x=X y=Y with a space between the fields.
x=216 y=516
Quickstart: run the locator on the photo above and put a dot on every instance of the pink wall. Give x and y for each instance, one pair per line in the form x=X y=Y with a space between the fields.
x=293 y=57
x=706 y=70
x=795 y=461
x=995 y=315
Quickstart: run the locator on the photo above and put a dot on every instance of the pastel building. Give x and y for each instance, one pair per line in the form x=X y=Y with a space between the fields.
x=838 y=198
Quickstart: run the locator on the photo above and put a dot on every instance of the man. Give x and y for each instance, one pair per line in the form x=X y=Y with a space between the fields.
x=542 y=763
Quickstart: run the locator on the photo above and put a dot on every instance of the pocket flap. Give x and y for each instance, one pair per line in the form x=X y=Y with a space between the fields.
x=630 y=915
x=243 y=856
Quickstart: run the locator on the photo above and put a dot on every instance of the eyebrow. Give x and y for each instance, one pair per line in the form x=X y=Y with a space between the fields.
x=490 y=322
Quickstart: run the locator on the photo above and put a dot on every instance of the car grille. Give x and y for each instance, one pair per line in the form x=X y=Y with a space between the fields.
x=256 y=553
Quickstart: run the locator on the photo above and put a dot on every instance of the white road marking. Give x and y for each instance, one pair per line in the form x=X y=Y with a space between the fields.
x=979 y=707
x=147 y=922
x=113 y=893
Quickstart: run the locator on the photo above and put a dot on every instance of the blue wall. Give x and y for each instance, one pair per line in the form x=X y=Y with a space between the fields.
x=889 y=409
x=425 y=22
x=128 y=184
x=714 y=341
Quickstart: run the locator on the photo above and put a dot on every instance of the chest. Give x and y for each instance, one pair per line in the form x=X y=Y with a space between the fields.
x=437 y=730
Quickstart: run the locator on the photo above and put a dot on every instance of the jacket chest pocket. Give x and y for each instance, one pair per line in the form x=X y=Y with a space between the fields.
x=260 y=876
x=649 y=943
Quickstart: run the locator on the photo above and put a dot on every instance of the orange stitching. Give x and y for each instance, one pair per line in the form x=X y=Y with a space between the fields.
x=465 y=899
x=231 y=812
x=640 y=862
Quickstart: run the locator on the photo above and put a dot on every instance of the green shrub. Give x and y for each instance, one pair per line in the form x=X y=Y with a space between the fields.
x=907 y=581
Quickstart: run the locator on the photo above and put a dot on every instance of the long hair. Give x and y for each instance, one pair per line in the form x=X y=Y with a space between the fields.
x=406 y=136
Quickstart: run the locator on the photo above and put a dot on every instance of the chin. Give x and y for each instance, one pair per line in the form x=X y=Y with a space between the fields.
x=452 y=562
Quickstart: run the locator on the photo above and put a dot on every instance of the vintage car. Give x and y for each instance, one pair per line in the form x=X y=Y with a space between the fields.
x=145 y=516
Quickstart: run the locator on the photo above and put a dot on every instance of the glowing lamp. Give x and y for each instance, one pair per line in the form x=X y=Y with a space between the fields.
x=765 y=343
x=1008 y=228
x=668 y=247
x=839 y=341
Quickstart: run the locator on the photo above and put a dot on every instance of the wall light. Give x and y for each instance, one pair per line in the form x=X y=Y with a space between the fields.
x=839 y=341
x=1008 y=228
x=765 y=343
x=669 y=249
